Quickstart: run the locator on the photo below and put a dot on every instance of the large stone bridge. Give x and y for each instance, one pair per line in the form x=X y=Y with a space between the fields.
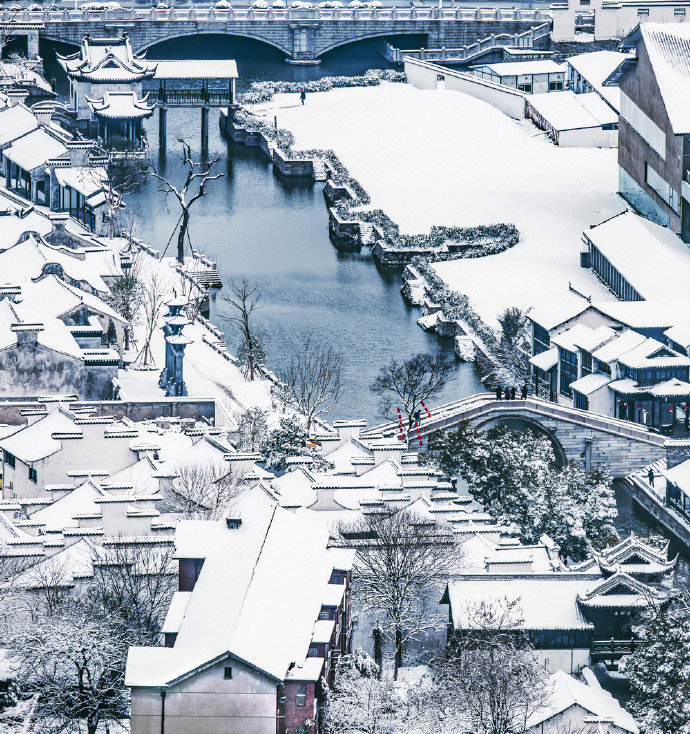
x=303 y=35
x=577 y=435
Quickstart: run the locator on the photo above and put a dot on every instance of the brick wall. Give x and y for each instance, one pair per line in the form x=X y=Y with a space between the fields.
x=296 y=716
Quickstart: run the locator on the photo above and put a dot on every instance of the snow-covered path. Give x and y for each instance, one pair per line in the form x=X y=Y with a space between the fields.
x=442 y=157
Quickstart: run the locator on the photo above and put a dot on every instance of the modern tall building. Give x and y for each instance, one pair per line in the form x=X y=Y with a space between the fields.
x=654 y=129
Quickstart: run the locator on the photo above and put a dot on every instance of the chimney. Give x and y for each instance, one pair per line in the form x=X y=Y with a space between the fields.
x=17 y=96
x=43 y=114
x=78 y=151
x=233 y=523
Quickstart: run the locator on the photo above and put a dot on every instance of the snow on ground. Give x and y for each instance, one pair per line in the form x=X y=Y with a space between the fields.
x=443 y=157
x=207 y=374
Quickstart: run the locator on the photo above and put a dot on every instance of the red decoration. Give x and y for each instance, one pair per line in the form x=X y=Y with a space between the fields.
x=638 y=405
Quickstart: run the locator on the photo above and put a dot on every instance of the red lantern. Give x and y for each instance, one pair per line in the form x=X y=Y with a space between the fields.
x=638 y=405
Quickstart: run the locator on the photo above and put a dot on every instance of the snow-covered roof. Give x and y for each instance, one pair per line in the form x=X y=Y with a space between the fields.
x=36 y=442
x=668 y=47
x=561 y=613
x=570 y=111
x=176 y=611
x=248 y=608
x=34 y=149
x=519 y=68
x=572 y=338
x=197 y=69
x=121 y=106
x=613 y=349
x=679 y=475
x=640 y=314
x=596 y=67
x=15 y=122
x=590 y=383
x=620 y=591
x=102 y=60
x=551 y=315
x=679 y=333
x=566 y=692
x=84 y=179
x=645 y=254
x=61 y=513
x=26 y=260
x=652 y=353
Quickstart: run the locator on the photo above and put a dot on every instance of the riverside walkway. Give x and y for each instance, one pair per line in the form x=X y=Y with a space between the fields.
x=302 y=34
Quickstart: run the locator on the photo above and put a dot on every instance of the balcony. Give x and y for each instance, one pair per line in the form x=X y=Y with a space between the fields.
x=191 y=97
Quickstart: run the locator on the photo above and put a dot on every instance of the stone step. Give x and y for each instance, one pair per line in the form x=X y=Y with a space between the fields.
x=320 y=173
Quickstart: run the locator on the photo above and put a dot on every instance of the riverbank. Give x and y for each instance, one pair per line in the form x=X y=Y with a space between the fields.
x=439 y=157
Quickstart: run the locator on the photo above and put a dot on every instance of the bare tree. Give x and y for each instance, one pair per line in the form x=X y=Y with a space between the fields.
x=73 y=661
x=243 y=300
x=493 y=671
x=134 y=580
x=127 y=294
x=118 y=178
x=410 y=383
x=313 y=377
x=402 y=559
x=156 y=287
x=197 y=177
x=202 y=489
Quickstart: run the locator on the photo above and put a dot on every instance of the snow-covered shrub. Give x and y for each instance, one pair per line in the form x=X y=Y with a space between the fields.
x=264 y=91
x=260 y=5
x=223 y=5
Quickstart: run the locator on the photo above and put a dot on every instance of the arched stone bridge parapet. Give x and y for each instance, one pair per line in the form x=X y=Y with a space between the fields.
x=302 y=35
x=589 y=439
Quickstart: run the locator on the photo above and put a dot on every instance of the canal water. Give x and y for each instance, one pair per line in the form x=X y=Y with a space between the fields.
x=275 y=233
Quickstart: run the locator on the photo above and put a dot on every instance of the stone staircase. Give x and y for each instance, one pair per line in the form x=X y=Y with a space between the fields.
x=367 y=233
x=320 y=170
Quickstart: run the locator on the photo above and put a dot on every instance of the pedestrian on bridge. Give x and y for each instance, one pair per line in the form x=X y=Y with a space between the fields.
x=512 y=393
x=650 y=477
x=499 y=392
x=303 y=96
x=524 y=391
x=506 y=393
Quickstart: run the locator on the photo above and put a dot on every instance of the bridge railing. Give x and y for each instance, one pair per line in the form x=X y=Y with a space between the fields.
x=273 y=14
x=482 y=404
x=521 y=40
x=181 y=97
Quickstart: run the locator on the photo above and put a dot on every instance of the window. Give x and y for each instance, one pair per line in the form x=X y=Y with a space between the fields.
x=301 y=730
x=643 y=12
x=9 y=459
x=581 y=401
x=541 y=339
x=227 y=673
x=325 y=613
x=662 y=188
x=568 y=370
x=525 y=88
x=336 y=578
x=313 y=652
x=643 y=125
x=33 y=476
x=301 y=695
x=586 y=361
x=679 y=12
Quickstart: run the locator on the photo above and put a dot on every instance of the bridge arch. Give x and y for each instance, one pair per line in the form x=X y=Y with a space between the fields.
x=368 y=36
x=139 y=48
x=520 y=423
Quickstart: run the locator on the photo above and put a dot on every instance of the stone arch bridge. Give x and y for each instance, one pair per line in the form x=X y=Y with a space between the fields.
x=577 y=435
x=303 y=35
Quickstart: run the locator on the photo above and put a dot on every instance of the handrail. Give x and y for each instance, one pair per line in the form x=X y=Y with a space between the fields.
x=523 y=40
x=208 y=14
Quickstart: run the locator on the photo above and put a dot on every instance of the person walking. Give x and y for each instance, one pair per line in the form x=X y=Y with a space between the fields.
x=524 y=391
x=507 y=393
x=512 y=393
x=498 y=392
x=650 y=477
x=303 y=96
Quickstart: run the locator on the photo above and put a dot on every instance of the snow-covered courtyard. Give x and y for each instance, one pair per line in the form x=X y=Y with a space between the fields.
x=443 y=157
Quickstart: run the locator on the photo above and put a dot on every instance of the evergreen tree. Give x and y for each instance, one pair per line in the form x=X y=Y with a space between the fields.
x=513 y=474
x=291 y=439
x=659 y=674
x=111 y=334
